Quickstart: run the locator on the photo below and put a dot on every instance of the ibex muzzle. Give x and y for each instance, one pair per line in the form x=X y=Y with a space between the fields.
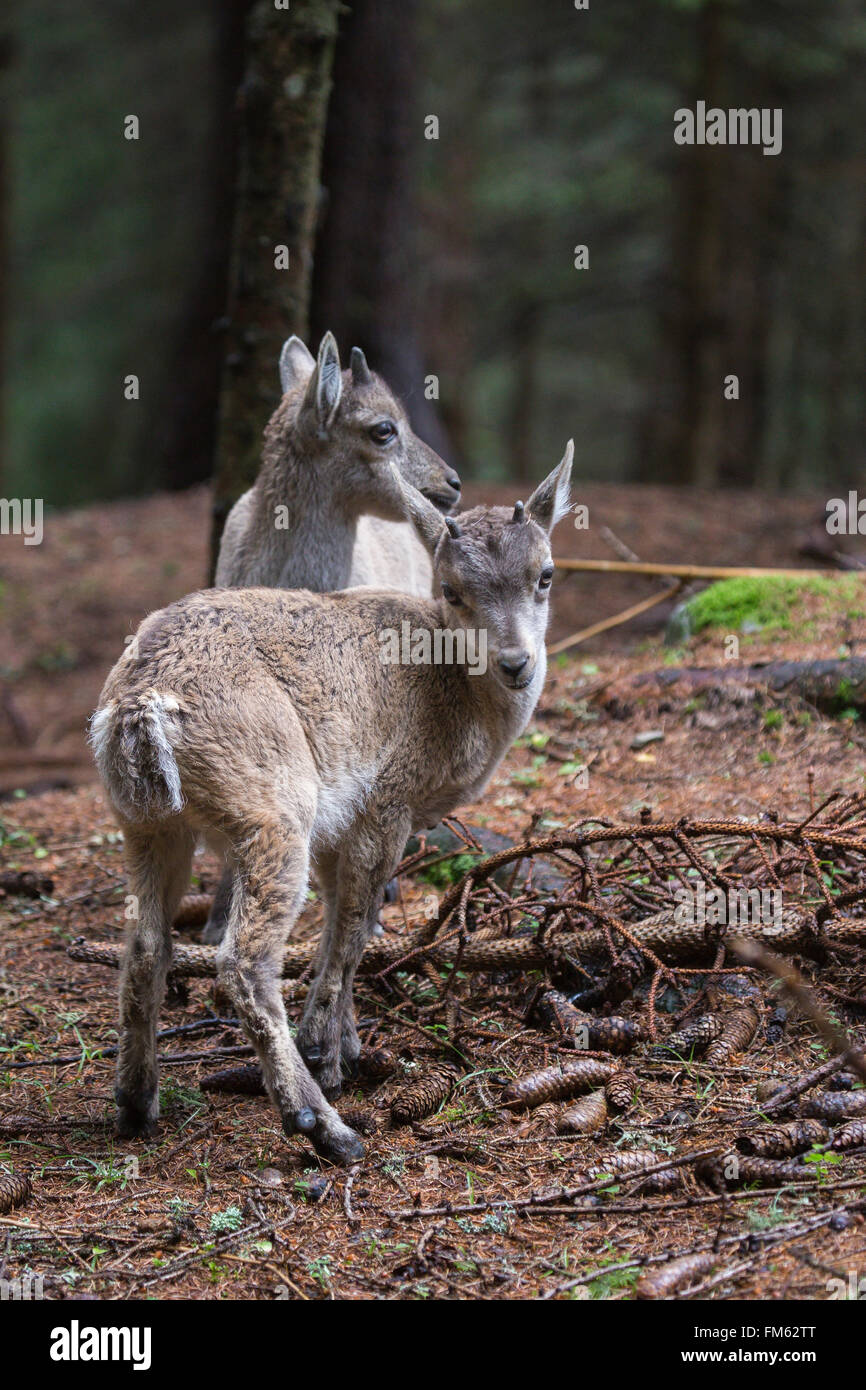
x=268 y=721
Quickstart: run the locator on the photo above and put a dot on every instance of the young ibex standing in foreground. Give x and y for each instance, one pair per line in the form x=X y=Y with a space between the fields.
x=269 y=721
x=325 y=512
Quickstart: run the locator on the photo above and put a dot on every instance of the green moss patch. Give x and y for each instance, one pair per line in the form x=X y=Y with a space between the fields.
x=776 y=603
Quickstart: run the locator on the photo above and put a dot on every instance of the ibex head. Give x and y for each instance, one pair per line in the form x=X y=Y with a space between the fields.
x=495 y=569
x=352 y=428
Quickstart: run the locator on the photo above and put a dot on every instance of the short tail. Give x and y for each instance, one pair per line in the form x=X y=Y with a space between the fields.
x=132 y=744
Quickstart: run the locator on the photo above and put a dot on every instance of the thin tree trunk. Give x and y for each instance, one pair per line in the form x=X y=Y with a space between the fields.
x=7 y=57
x=284 y=99
x=366 y=285
x=185 y=434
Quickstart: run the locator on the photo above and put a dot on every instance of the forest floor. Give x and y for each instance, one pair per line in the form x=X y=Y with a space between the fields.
x=466 y=1201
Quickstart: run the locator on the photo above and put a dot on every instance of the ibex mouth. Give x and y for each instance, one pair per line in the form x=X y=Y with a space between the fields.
x=442 y=501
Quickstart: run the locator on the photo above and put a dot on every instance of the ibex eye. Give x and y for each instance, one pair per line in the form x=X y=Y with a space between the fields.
x=545 y=579
x=383 y=432
x=451 y=596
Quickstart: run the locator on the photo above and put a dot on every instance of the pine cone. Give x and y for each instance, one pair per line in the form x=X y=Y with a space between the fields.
x=834 y=1105
x=620 y=1089
x=586 y=1116
x=193 y=910
x=558 y=1083
x=14 y=1190
x=377 y=1063
x=631 y=1162
x=781 y=1141
x=731 y=1168
x=739 y=1028
x=696 y=1035
x=767 y=1088
x=423 y=1096
x=850 y=1136
x=235 y=1081
x=660 y=1283
x=613 y=1034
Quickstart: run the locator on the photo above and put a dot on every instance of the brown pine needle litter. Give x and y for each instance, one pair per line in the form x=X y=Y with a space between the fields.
x=565 y=1086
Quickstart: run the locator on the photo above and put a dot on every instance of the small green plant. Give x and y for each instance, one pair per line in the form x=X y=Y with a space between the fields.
x=229 y=1220
x=319 y=1270
x=447 y=872
x=773 y=719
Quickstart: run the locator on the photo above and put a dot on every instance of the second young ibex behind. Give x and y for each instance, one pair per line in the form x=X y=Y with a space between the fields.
x=269 y=721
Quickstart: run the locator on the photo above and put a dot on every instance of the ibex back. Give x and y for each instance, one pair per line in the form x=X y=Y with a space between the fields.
x=269 y=721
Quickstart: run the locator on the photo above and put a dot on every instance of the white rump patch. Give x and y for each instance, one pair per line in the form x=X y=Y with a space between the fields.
x=158 y=709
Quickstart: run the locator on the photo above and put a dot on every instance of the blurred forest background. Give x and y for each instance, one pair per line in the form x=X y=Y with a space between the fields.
x=452 y=256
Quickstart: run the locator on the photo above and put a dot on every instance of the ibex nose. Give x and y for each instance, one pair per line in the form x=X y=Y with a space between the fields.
x=454 y=482
x=512 y=661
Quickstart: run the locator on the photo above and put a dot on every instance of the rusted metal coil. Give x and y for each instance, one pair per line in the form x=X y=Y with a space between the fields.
x=421 y=1097
x=14 y=1191
x=586 y=1116
x=781 y=1141
x=558 y=1083
x=665 y=1280
x=740 y=1026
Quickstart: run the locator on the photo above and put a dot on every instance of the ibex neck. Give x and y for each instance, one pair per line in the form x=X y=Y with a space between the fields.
x=310 y=536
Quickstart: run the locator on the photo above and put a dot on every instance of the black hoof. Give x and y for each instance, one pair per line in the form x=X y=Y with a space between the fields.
x=135 y=1114
x=345 y=1151
x=305 y=1120
x=391 y=890
x=312 y=1054
x=132 y=1123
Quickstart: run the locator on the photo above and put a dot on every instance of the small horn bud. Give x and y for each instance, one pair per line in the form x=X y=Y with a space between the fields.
x=518 y=513
x=361 y=374
x=453 y=529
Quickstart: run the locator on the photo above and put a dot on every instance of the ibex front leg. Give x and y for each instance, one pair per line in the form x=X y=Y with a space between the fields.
x=269 y=890
x=327 y=1037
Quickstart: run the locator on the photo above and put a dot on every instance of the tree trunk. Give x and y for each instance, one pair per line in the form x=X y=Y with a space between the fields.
x=367 y=287
x=7 y=58
x=185 y=434
x=284 y=99
x=683 y=430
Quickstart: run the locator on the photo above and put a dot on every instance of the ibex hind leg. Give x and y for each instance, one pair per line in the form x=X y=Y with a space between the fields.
x=269 y=890
x=214 y=928
x=158 y=868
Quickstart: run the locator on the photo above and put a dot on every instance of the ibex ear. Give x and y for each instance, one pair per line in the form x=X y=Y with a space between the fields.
x=549 y=502
x=428 y=522
x=297 y=363
x=326 y=383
